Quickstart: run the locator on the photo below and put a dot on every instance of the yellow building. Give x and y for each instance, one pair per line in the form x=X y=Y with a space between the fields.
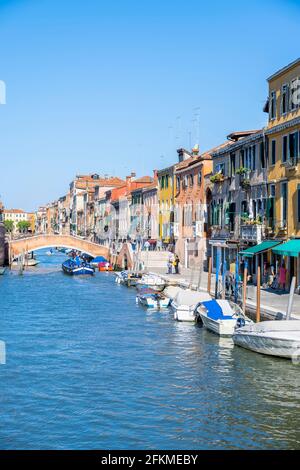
x=166 y=198
x=283 y=137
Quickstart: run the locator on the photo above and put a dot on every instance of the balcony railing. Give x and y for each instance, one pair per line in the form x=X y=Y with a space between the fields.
x=252 y=232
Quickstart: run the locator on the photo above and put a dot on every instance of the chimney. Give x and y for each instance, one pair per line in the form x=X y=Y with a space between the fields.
x=133 y=175
x=155 y=175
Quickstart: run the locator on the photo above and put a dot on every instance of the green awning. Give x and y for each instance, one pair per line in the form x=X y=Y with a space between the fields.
x=260 y=248
x=290 y=248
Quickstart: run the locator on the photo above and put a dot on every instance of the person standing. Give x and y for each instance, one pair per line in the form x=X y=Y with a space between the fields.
x=176 y=264
x=282 y=276
x=147 y=245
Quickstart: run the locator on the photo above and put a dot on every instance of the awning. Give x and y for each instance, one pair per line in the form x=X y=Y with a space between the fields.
x=290 y=248
x=260 y=248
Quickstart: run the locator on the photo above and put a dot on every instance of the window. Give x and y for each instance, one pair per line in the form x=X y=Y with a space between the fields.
x=272 y=190
x=232 y=164
x=273 y=105
x=273 y=152
x=185 y=182
x=199 y=178
x=191 y=179
x=220 y=168
x=166 y=181
x=262 y=155
x=284 y=99
x=178 y=183
x=284 y=202
x=242 y=158
x=284 y=148
x=293 y=145
x=295 y=94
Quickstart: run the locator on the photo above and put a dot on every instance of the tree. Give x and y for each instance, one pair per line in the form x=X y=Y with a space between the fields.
x=9 y=225
x=23 y=226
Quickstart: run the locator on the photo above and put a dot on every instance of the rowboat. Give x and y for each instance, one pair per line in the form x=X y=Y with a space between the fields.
x=2 y=270
x=221 y=316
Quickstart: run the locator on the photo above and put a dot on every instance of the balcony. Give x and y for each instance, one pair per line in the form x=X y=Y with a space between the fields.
x=252 y=232
x=219 y=233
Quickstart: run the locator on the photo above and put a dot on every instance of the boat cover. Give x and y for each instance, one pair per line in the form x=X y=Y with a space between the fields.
x=215 y=311
x=190 y=297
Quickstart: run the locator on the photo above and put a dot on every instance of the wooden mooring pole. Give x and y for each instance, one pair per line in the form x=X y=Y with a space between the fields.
x=209 y=274
x=245 y=288
x=258 y=295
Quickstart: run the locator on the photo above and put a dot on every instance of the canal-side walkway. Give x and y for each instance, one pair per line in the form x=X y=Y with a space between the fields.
x=272 y=302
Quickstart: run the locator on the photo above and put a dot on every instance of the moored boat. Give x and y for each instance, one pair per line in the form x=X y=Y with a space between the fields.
x=152 y=299
x=221 y=316
x=185 y=302
x=152 y=281
x=77 y=268
x=2 y=270
x=274 y=338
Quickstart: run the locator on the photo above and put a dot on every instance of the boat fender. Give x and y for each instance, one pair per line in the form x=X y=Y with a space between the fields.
x=240 y=322
x=136 y=300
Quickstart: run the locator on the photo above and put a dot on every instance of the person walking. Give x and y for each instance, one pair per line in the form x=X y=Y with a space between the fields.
x=176 y=264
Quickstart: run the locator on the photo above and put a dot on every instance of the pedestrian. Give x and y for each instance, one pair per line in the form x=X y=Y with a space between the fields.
x=176 y=264
x=147 y=245
x=170 y=262
x=158 y=245
x=282 y=276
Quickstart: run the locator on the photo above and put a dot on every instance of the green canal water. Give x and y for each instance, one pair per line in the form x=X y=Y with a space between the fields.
x=86 y=368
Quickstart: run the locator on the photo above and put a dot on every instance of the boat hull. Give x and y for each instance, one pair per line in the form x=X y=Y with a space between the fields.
x=219 y=327
x=286 y=348
x=148 y=302
x=183 y=313
x=79 y=271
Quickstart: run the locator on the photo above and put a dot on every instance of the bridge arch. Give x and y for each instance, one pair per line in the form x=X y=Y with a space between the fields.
x=38 y=242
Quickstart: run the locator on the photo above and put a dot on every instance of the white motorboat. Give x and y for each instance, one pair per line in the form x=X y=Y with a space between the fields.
x=274 y=338
x=185 y=302
x=221 y=317
x=152 y=281
x=152 y=299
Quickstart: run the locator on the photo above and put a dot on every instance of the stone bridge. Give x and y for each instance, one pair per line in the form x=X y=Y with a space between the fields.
x=37 y=242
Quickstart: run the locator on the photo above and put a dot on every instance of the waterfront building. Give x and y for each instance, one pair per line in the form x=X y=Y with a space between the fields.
x=166 y=202
x=64 y=214
x=144 y=212
x=283 y=133
x=238 y=196
x=190 y=225
x=82 y=190
x=18 y=215
x=52 y=218
x=41 y=220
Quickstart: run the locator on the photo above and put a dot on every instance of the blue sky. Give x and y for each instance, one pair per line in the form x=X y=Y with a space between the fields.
x=114 y=87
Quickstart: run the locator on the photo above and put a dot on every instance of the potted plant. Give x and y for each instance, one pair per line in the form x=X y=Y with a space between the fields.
x=217 y=178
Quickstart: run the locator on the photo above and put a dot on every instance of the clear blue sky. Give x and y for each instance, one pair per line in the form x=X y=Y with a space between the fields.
x=116 y=86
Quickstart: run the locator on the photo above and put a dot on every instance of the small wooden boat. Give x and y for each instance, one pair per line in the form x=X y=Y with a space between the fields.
x=129 y=279
x=152 y=299
x=152 y=281
x=221 y=317
x=2 y=270
x=77 y=268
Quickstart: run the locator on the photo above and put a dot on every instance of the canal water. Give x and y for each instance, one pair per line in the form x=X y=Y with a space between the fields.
x=87 y=368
